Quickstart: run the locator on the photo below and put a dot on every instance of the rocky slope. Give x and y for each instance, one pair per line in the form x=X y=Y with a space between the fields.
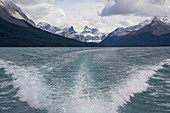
x=93 y=35
x=12 y=35
x=142 y=34
x=17 y=30
x=12 y=13
x=87 y=35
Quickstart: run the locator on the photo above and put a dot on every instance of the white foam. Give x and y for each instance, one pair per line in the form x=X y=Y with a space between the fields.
x=135 y=83
x=5 y=108
x=5 y=84
x=82 y=99
x=6 y=92
x=31 y=84
x=34 y=90
x=164 y=104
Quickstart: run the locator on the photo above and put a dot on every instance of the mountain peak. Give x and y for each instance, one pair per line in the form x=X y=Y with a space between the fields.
x=8 y=10
x=48 y=27
x=88 y=35
x=90 y=30
x=71 y=27
x=42 y=24
x=14 y=10
x=86 y=28
x=164 y=19
x=71 y=30
x=155 y=27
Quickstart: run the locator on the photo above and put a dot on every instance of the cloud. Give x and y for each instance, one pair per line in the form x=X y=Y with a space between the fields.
x=47 y=11
x=32 y=2
x=137 y=7
x=42 y=10
x=65 y=13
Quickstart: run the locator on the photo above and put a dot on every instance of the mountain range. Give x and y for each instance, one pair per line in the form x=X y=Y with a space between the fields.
x=87 y=35
x=17 y=30
x=154 y=32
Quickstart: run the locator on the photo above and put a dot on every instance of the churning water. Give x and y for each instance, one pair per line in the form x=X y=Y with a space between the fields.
x=85 y=80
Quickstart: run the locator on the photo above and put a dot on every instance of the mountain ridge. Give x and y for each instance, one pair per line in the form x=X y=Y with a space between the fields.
x=12 y=13
x=154 y=30
x=13 y=35
x=17 y=30
x=87 y=35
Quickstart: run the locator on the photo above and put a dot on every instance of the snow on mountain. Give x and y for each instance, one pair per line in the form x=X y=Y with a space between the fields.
x=124 y=31
x=164 y=19
x=88 y=30
x=93 y=35
x=9 y=10
x=71 y=30
x=1 y=4
x=151 y=32
x=155 y=27
x=87 y=35
x=48 y=27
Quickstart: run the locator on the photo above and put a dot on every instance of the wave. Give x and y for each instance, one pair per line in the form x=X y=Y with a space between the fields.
x=29 y=81
x=83 y=99
x=34 y=90
x=137 y=82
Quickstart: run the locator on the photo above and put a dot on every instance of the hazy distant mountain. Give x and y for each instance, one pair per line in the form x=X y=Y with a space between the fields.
x=87 y=35
x=12 y=13
x=151 y=32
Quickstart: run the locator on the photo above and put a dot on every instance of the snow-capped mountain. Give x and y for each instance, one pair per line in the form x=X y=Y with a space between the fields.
x=87 y=35
x=90 y=30
x=12 y=13
x=159 y=26
x=142 y=33
x=72 y=31
x=164 y=19
x=124 y=31
x=67 y=32
x=56 y=30
x=93 y=35
x=48 y=27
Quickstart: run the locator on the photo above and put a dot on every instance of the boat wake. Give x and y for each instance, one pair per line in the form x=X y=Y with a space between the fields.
x=83 y=96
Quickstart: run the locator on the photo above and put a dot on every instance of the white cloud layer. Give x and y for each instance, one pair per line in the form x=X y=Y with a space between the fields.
x=66 y=13
x=47 y=11
x=32 y=2
x=137 y=7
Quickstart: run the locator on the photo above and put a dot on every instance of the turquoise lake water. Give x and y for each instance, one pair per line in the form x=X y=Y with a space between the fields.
x=85 y=80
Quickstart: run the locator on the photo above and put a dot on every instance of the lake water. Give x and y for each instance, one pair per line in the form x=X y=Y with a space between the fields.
x=85 y=80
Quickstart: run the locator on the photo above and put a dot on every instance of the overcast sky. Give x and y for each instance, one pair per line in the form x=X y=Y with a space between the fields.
x=106 y=15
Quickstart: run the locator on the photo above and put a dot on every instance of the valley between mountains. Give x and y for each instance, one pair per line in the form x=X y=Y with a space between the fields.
x=16 y=29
